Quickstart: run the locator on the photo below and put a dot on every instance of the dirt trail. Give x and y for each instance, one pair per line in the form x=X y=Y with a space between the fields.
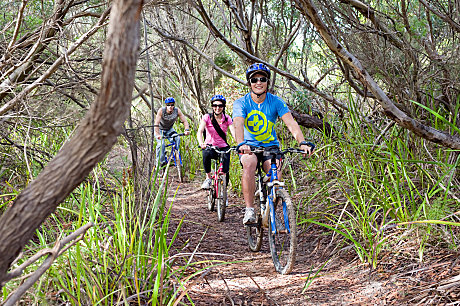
x=251 y=278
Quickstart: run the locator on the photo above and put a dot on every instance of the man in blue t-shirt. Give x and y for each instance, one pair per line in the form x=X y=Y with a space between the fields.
x=254 y=118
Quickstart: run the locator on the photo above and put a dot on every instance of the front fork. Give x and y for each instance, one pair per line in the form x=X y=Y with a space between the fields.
x=174 y=156
x=273 y=185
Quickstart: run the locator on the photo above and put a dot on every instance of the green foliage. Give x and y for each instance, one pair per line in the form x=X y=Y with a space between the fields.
x=377 y=187
x=303 y=101
x=126 y=254
x=224 y=61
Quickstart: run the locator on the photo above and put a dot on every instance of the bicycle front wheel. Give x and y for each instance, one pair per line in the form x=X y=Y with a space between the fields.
x=221 y=197
x=211 y=198
x=180 y=173
x=255 y=232
x=283 y=238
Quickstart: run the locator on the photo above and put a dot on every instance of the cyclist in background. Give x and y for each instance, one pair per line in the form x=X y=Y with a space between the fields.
x=254 y=117
x=216 y=125
x=163 y=127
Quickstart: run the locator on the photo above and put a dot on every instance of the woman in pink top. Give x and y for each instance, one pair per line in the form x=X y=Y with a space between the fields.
x=216 y=124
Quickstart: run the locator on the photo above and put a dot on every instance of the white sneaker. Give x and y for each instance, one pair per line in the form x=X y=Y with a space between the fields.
x=249 y=215
x=206 y=184
x=226 y=203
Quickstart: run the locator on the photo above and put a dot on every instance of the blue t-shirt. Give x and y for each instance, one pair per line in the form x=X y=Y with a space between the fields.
x=260 y=119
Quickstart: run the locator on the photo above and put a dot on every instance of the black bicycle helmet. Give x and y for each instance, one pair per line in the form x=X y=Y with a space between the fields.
x=257 y=68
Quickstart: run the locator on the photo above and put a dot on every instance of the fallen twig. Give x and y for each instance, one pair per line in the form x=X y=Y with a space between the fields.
x=263 y=291
x=227 y=293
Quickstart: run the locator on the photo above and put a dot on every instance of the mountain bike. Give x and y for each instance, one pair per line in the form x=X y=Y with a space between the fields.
x=275 y=212
x=174 y=154
x=217 y=194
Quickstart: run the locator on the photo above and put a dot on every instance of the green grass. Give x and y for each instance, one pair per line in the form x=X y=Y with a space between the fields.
x=126 y=256
x=371 y=195
x=402 y=182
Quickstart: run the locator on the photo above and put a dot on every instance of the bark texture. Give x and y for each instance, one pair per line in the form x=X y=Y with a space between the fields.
x=312 y=122
x=94 y=137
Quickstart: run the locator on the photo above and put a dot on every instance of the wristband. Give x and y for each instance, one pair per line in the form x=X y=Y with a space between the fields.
x=187 y=129
x=310 y=144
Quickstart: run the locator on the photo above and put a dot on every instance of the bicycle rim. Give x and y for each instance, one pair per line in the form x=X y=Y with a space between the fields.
x=221 y=198
x=283 y=243
x=179 y=166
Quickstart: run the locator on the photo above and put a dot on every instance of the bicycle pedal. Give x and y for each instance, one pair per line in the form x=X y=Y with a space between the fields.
x=256 y=224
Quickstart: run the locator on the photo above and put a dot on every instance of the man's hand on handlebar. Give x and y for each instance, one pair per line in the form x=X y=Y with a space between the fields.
x=307 y=149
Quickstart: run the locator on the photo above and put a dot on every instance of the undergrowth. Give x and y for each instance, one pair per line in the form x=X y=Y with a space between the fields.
x=370 y=193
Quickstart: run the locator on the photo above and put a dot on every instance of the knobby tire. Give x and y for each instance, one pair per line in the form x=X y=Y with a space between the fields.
x=283 y=244
x=255 y=232
x=211 y=199
x=179 y=166
x=221 y=197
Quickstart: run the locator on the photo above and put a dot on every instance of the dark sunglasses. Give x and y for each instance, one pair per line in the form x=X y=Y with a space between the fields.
x=218 y=105
x=261 y=79
x=170 y=104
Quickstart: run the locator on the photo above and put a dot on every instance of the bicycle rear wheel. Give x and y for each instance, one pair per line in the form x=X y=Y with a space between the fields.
x=221 y=197
x=178 y=161
x=283 y=243
x=211 y=198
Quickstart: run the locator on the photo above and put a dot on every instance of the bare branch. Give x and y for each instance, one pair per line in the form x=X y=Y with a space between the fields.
x=308 y=9
x=185 y=42
x=446 y=18
x=10 y=104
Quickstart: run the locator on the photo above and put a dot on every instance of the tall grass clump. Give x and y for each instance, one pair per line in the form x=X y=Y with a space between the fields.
x=370 y=187
x=124 y=258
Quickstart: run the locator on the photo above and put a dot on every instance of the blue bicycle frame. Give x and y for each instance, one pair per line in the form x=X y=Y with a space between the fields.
x=273 y=173
x=173 y=149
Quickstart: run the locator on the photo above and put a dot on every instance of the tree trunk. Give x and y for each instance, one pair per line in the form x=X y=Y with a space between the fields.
x=94 y=137
x=312 y=122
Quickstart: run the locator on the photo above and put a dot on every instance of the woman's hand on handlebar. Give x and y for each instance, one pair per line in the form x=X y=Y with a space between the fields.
x=203 y=145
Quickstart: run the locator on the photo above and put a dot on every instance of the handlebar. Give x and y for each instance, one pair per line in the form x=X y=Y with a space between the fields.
x=174 y=135
x=259 y=150
x=219 y=150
